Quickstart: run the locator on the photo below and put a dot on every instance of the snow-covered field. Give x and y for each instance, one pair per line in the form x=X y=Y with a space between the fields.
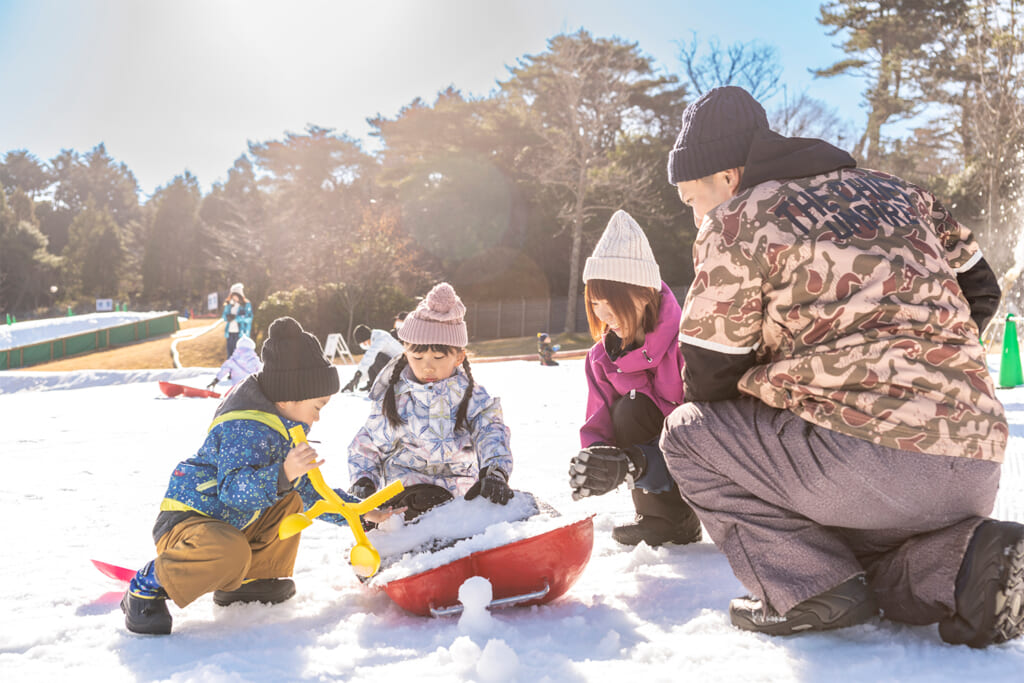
x=86 y=458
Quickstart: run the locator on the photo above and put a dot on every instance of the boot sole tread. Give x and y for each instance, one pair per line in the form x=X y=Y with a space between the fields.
x=1009 y=621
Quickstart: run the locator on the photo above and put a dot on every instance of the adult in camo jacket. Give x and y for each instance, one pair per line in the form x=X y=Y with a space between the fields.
x=841 y=440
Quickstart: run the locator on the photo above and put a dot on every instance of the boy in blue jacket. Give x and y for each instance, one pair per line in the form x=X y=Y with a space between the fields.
x=217 y=529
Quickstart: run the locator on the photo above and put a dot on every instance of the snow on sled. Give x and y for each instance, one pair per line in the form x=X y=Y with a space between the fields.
x=171 y=390
x=527 y=551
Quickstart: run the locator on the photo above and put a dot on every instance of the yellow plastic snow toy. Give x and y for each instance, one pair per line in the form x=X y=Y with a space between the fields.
x=364 y=557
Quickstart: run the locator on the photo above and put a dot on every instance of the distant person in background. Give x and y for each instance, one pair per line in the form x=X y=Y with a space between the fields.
x=399 y=319
x=379 y=348
x=237 y=316
x=545 y=349
x=242 y=363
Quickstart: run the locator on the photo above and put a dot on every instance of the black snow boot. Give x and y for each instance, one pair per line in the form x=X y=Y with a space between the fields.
x=655 y=531
x=148 y=616
x=660 y=518
x=270 y=591
x=848 y=604
x=989 y=588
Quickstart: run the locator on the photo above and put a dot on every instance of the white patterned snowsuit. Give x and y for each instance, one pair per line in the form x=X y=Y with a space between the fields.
x=426 y=449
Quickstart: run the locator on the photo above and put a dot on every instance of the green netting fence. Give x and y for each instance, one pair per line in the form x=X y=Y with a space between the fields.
x=86 y=342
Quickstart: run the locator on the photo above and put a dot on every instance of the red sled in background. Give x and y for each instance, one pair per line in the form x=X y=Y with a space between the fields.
x=170 y=390
x=531 y=571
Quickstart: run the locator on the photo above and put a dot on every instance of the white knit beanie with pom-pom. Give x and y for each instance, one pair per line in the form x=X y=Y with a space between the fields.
x=438 y=319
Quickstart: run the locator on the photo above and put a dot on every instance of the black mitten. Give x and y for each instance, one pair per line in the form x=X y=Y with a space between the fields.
x=363 y=488
x=492 y=485
x=596 y=470
x=353 y=382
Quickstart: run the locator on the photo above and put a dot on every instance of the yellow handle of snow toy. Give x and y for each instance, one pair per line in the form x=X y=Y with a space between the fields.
x=364 y=557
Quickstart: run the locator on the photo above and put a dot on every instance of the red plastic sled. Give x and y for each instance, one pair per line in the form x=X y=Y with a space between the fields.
x=114 y=572
x=171 y=390
x=531 y=571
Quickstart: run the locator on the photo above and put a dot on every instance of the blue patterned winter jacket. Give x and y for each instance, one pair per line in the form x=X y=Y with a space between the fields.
x=237 y=472
x=426 y=449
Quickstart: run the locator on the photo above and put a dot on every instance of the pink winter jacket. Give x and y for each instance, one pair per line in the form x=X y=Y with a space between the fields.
x=655 y=369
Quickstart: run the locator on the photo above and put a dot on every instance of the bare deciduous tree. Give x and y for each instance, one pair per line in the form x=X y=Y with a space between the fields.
x=806 y=117
x=753 y=66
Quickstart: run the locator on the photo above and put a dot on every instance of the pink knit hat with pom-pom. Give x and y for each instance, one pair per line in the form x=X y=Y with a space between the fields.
x=438 y=319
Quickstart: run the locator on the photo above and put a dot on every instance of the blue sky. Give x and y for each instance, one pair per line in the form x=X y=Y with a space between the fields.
x=170 y=86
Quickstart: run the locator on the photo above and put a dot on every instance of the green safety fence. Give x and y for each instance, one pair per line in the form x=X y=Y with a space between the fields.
x=85 y=342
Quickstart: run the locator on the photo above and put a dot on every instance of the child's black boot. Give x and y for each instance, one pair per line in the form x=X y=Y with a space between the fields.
x=145 y=604
x=271 y=591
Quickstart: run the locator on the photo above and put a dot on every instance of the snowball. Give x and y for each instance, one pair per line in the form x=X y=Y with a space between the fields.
x=498 y=662
x=610 y=645
x=464 y=652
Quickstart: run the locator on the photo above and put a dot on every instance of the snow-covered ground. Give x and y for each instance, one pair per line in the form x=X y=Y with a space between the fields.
x=86 y=458
x=32 y=331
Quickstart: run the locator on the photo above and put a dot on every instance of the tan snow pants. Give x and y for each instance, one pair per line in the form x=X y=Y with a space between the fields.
x=201 y=555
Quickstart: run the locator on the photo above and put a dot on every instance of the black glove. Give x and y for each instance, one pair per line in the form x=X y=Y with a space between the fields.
x=212 y=384
x=364 y=488
x=492 y=485
x=352 y=384
x=599 y=469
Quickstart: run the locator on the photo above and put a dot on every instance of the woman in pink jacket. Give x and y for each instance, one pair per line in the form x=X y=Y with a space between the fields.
x=634 y=377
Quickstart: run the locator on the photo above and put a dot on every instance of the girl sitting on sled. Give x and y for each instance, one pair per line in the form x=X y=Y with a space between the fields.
x=431 y=425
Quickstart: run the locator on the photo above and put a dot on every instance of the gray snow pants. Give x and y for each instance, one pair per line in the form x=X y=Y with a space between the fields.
x=798 y=509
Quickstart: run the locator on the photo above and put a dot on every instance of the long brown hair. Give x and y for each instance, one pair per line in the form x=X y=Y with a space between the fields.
x=620 y=297
x=390 y=405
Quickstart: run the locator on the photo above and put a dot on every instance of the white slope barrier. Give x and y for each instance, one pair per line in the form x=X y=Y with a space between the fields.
x=13 y=381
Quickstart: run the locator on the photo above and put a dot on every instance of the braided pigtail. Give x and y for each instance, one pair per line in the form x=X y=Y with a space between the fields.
x=390 y=406
x=461 y=417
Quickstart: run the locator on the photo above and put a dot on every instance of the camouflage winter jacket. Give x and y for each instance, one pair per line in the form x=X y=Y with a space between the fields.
x=849 y=297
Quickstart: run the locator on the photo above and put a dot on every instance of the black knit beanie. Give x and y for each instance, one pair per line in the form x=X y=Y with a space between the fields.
x=360 y=334
x=717 y=132
x=294 y=365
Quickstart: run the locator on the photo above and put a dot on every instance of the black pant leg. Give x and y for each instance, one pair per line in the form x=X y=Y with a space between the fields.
x=637 y=420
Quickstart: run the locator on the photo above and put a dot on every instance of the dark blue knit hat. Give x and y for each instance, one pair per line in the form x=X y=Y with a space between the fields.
x=717 y=132
x=294 y=365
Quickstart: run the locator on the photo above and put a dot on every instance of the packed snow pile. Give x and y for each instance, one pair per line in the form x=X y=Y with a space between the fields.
x=456 y=530
x=39 y=380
